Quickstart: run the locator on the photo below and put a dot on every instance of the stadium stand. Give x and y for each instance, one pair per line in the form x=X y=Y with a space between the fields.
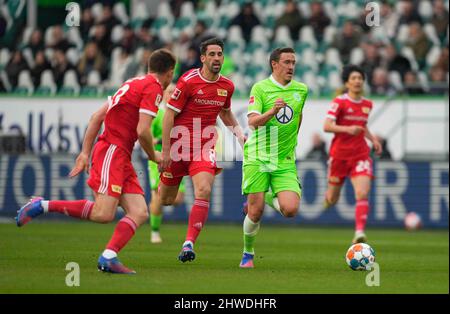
x=112 y=36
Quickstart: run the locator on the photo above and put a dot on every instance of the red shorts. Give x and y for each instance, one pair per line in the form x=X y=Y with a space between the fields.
x=112 y=172
x=178 y=169
x=338 y=169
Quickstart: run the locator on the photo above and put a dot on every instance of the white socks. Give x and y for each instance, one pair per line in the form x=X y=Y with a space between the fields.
x=109 y=254
x=250 y=228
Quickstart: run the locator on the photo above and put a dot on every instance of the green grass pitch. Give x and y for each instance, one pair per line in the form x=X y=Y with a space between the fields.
x=290 y=259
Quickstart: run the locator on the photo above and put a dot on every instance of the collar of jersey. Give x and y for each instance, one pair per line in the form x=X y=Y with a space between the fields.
x=207 y=81
x=354 y=100
x=278 y=84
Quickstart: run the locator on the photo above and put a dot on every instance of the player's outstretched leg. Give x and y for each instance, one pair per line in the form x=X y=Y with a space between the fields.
x=30 y=210
x=37 y=206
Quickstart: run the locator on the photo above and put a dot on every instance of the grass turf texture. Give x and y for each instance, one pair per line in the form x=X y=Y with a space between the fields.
x=290 y=259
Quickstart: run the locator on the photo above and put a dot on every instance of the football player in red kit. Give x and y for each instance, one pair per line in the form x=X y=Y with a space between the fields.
x=189 y=136
x=127 y=117
x=349 y=153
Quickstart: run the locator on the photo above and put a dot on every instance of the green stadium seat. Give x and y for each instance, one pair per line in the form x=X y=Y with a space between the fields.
x=43 y=91
x=89 y=91
x=21 y=91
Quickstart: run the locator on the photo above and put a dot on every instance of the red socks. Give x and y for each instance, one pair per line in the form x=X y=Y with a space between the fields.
x=78 y=209
x=197 y=219
x=361 y=212
x=124 y=231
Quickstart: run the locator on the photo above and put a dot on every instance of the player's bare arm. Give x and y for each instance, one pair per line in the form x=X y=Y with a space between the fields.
x=145 y=137
x=256 y=120
x=330 y=126
x=168 y=121
x=376 y=144
x=228 y=118
x=95 y=123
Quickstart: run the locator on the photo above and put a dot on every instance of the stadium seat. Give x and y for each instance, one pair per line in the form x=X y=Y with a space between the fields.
x=70 y=82
x=408 y=53
x=430 y=31
x=329 y=33
x=357 y=56
x=395 y=80
x=307 y=36
x=73 y=56
x=333 y=58
x=26 y=35
x=25 y=83
x=120 y=12
x=423 y=80
x=4 y=57
x=283 y=36
x=117 y=33
x=425 y=9
x=48 y=85
x=97 y=11
x=93 y=79
x=89 y=91
x=28 y=56
x=433 y=56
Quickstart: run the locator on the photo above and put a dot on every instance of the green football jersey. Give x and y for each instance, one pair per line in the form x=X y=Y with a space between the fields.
x=276 y=141
x=157 y=125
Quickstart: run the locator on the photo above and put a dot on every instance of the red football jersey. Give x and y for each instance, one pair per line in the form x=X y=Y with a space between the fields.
x=347 y=111
x=198 y=103
x=137 y=95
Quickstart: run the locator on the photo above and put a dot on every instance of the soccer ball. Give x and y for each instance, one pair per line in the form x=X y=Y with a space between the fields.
x=413 y=221
x=360 y=256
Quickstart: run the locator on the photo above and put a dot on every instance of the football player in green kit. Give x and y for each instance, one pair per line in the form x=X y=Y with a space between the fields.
x=269 y=168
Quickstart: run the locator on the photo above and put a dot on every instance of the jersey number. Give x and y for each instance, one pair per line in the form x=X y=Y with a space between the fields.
x=362 y=166
x=116 y=98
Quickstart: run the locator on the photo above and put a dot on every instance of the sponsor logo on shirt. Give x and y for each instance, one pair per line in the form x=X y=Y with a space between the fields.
x=200 y=92
x=116 y=188
x=222 y=92
x=209 y=102
x=176 y=94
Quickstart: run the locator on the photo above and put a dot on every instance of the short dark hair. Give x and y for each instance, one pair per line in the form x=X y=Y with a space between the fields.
x=349 y=69
x=276 y=54
x=161 y=61
x=212 y=41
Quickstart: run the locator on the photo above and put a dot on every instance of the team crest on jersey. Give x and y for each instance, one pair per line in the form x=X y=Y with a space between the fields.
x=176 y=94
x=366 y=110
x=251 y=101
x=222 y=92
x=167 y=175
x=297 y=97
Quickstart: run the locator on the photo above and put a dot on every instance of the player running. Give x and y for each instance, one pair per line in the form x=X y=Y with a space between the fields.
x=275 y=113
x=349 y=153
x=127 y=117
x=189 y=136
x=155 y=205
